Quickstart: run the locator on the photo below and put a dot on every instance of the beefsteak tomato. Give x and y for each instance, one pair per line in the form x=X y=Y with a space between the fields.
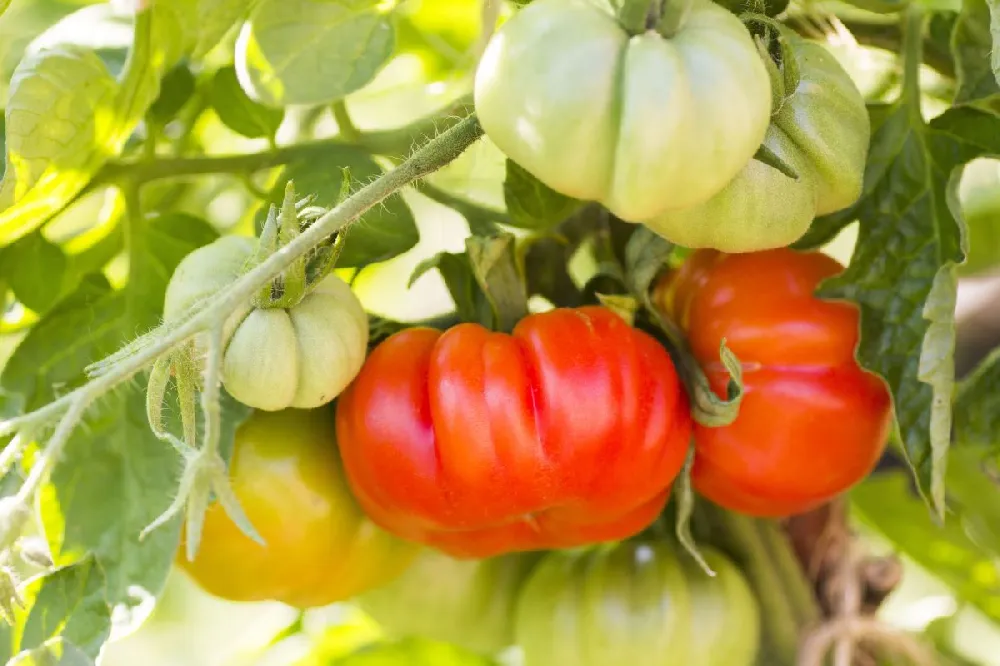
x=568 y=431
x=812 y=422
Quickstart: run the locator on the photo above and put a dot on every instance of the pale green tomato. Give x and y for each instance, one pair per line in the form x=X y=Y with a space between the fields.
x=300 y=357
x=642 y=124
x=206 y=271
x=466 y=602
x=725 y=617
x=627 y=603
x=822 y=131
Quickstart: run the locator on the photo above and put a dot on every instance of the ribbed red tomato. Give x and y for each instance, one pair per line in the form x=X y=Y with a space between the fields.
x=568 y=431
x=812 y=422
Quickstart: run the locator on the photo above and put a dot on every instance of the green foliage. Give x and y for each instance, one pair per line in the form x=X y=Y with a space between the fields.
x=972 y=44
x=531 y=204
x=909 y=234
x=284 y=53
x=240 y=113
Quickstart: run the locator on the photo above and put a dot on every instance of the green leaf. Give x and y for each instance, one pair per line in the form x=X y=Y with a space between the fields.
x=58 y=123
x=533 y=205
x=647 y=255
x=56 y=652
x=70 y=603
x=237 y=111
x=35 y=269
x=972 y=45
x=4 y=4
x=67 y=115
x=383 y=232
x=903 y=272
x=494 y=264
x=312 y=51
x=176 y=89
x=545 y=260
x=215 y=19
x=977 y=407
x=885 y=503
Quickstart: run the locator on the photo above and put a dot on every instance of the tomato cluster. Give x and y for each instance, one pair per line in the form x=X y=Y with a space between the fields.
x=662 y=126
x=489 y=488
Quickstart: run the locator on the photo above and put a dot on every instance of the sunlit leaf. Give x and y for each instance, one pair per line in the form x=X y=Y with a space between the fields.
x=309 y=51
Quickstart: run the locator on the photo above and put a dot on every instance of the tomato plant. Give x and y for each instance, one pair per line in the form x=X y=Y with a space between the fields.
x=554 y=269
x=569 y=430
x=319 y=546
x=812 y=422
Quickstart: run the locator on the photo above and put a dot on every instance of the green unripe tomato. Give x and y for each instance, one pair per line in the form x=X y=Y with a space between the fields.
x=725 y=616
x=627 y=603
x=822 y=131
x=637 y=602
x=206 y=271
x=274 y=359
x=466 y=602
x=642 y=124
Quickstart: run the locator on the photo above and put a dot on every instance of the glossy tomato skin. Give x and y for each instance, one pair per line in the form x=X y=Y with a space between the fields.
x=320 y=547
x=812 y=422
x=567 y=431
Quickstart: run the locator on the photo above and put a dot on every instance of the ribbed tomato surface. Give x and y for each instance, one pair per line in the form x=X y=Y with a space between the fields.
x=569 y=430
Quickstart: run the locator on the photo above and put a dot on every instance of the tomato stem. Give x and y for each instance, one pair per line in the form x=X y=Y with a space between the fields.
x=673 y=16
x=788 y=605
x=634 y=13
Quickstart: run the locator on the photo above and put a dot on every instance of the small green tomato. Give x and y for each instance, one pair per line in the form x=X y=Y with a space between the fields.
x=276 y=358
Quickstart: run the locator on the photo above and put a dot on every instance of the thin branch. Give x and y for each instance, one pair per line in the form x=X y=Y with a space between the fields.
x=395 y=142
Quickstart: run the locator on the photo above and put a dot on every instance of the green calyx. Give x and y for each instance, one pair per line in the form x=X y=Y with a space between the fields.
x=281 y=227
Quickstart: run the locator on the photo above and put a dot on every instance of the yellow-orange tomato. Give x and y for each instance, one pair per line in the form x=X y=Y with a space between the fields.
x=320 y=547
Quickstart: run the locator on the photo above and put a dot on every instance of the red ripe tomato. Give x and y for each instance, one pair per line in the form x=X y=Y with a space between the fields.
x=812 y=422
x=568 y=431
